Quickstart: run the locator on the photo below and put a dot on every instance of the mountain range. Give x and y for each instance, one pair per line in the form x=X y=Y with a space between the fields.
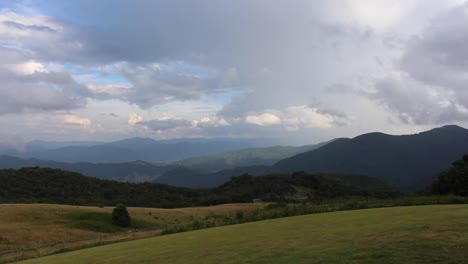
x=408 y=162
x=134 y=149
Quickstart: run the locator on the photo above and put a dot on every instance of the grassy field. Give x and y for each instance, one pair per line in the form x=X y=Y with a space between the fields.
x=416 y=234
x=29 y=225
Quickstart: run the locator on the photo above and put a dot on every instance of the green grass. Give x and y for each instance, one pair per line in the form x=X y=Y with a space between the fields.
x=415 y=234
x=102 y=222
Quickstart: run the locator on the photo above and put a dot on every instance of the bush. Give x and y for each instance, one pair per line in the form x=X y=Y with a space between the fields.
x=120 y=216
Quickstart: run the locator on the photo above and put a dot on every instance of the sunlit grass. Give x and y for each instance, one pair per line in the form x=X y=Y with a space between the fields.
x=417 y=234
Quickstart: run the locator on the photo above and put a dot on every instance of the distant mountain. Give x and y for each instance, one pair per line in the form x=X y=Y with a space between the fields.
x=409 y=162
x=246 y=157
x=191 y=178
x=40 y=145
x=135 y=171
x=139 y=149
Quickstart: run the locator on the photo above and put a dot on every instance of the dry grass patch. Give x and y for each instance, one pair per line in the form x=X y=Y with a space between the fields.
x=29 y=225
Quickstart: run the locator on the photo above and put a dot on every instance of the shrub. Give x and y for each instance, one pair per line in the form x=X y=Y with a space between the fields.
x=120 y=216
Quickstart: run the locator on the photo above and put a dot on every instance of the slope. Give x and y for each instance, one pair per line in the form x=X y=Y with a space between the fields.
x=409 y=162
x=420 y=234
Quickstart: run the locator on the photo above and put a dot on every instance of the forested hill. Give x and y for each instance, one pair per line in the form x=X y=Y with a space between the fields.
x=43 y=185
x=409 y=162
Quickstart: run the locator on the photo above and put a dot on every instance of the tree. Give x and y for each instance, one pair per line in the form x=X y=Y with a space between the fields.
x=120 y=216
x=454 y=180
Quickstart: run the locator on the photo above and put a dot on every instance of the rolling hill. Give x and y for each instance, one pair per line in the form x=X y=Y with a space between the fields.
x=409 y=162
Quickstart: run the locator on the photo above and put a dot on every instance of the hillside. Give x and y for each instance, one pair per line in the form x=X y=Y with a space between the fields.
x=33 y=185
x=419 y=234
x=246 y=157
x=409 y=162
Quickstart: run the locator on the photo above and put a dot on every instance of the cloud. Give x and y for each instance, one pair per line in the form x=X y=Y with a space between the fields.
x=429 y=84
x=24 y=27
x=265 y=119
x=438 y=55
x=256 y=65
x=299 y=117
x=155 y=83
x=418 y=103
x=134 y=119
x=210 y=122
x=38 y=90
x=165 y=124
x=76 y=120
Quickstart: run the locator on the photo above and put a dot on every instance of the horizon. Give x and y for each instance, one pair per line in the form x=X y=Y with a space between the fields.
x=297 y=72
x=274 y=142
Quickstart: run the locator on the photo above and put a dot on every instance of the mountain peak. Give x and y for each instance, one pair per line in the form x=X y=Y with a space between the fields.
x=445 y=129
x=450 y=127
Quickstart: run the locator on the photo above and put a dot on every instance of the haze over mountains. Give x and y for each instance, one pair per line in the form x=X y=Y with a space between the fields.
x=134 y=149
x=409 y=162
x=199 y=172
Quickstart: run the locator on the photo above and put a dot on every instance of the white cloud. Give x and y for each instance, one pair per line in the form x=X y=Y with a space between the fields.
x=76 y=120
x=105 y=91
x=210 y=122
x=29 y=67
x=134 y=118
x=265 y=119
x=298 y=117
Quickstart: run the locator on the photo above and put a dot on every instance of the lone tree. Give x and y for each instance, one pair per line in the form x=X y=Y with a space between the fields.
x=120 y=216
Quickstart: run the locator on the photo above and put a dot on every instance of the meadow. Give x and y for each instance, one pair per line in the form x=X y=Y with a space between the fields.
x=30 y=225
x=412 y=234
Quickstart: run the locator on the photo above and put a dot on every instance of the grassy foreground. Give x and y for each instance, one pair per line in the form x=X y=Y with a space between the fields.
x=417 y=234
x=30 y=225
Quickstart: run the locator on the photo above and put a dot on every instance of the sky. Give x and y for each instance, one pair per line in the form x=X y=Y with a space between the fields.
x=297 y=71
